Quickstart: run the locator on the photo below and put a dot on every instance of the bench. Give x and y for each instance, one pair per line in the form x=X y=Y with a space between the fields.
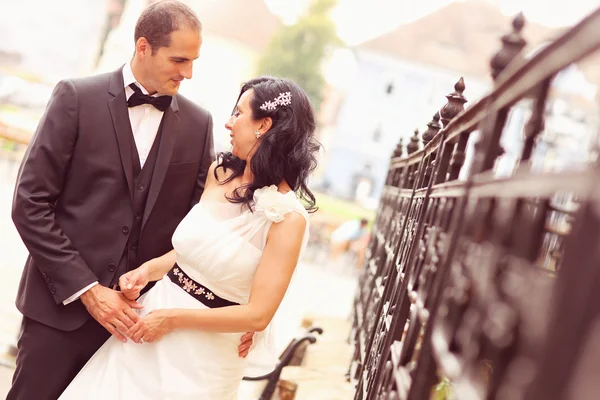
x=292 y=355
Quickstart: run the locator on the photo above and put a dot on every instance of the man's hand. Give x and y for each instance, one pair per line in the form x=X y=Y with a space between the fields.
x=111 y=309
x=244 y=347
x=132 y=283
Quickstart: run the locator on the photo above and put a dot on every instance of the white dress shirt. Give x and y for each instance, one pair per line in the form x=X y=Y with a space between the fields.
x=145 y=120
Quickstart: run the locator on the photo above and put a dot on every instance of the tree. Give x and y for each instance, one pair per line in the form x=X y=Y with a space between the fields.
x=297 y=51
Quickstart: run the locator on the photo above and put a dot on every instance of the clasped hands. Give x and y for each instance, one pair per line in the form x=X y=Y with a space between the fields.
x=114 y=310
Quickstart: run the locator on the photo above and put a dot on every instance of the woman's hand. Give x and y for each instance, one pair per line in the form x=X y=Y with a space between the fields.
x=134 y=281
x=152 y=327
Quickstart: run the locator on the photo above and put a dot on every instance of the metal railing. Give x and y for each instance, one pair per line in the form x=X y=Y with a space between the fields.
x=489 y=282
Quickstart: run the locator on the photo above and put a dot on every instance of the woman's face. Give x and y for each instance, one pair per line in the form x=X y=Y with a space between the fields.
x=242 y=128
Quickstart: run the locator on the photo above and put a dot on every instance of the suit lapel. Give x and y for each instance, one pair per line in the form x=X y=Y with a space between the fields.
x=168 y=138
x=120 y=117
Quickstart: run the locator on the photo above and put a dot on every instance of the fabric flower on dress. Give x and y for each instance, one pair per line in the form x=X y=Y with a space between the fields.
x=273 y=204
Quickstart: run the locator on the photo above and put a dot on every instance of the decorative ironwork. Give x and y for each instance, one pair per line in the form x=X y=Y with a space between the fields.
x=399 y=150
x=460 y=276
x=433 y=127
x=456 y=103
x=413 y=145
x=512 y=44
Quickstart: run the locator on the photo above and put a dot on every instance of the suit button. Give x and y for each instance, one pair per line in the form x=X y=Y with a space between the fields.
x=133 y=247
x=138 y=217
x=112 y=267
x=140 y=187
x=53 y=290
x=125 y=230
x=47 y=279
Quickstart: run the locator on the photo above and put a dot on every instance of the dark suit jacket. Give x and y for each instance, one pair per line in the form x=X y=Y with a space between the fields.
x=73 y=200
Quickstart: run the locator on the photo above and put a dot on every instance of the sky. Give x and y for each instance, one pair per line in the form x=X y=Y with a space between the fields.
x=360 y=20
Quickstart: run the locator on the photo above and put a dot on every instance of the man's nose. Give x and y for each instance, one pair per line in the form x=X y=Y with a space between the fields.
x=186 y=71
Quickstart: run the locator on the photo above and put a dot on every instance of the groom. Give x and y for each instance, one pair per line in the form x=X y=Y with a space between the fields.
x=115 y=164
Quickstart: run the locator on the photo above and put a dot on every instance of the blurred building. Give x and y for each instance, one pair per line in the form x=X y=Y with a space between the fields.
x=401 y=81
x=51 y=39
x=42 y=42
x=571 y=130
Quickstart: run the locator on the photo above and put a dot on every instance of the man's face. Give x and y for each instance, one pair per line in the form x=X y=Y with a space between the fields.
x=165 y=70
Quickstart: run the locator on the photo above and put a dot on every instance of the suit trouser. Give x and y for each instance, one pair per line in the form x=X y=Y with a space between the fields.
x=48 y=359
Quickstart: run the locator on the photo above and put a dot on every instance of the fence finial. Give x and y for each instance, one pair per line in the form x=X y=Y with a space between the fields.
x=456 y=103
x=414 y=143
x=399 y=150
x=433 y=127
x=512 y=44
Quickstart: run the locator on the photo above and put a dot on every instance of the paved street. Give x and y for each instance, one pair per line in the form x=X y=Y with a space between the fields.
x=317 y=290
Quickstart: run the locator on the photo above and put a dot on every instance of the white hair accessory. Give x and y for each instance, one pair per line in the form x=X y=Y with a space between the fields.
x=284 y=99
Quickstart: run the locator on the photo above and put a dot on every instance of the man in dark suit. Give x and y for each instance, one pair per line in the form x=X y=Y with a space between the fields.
x=115 y=164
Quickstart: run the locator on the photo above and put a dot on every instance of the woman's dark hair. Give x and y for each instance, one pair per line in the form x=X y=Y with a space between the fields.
x=160 y=19
x=286 y=152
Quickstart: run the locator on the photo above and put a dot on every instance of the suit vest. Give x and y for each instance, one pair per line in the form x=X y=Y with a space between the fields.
x=142 y=179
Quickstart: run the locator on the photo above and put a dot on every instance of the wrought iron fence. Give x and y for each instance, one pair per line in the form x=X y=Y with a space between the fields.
x=491 y=283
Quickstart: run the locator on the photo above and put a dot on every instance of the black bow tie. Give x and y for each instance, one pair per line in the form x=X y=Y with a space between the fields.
x=160 y=103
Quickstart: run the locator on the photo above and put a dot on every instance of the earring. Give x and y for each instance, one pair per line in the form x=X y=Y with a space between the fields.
x=257 y=133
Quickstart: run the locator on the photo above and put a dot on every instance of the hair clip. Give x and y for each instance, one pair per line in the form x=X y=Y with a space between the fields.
x=284 y=99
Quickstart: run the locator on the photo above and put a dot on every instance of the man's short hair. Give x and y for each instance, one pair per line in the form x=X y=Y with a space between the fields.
x=160 y=19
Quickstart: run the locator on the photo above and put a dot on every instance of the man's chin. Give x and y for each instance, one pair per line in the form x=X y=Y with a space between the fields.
x=174 y=86
x=169 y=92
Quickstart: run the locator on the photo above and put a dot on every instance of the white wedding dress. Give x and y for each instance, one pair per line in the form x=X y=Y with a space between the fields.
x=218 y=245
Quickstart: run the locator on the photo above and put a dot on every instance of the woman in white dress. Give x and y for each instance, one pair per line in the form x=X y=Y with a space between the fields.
x=233 y=258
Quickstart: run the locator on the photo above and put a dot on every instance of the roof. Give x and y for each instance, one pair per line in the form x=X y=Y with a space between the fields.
x=246 y=21
x=462 y=36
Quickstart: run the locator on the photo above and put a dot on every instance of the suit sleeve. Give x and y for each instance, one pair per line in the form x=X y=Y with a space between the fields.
x=208 y=157
x=38 y=189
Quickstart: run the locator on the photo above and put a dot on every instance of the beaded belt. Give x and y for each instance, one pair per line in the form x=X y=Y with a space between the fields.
x=196 y=290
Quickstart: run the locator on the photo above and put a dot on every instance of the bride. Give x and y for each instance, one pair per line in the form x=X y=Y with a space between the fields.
x=233 y=258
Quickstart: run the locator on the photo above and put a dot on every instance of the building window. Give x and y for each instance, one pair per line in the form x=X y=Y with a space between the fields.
x=377 y=133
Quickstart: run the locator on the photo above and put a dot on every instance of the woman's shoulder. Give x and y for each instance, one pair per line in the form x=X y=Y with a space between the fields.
x=217 y=173
x=277 y=202
x=287 y=214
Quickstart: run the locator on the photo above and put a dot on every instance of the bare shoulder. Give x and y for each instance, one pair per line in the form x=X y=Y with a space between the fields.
x=210 y=176
x=292 y=226
x=217 y=175
x=213 y=166
x=222 y=173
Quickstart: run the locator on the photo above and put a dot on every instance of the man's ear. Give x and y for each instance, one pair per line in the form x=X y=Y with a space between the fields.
x=143 y=48
x=265 y=125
